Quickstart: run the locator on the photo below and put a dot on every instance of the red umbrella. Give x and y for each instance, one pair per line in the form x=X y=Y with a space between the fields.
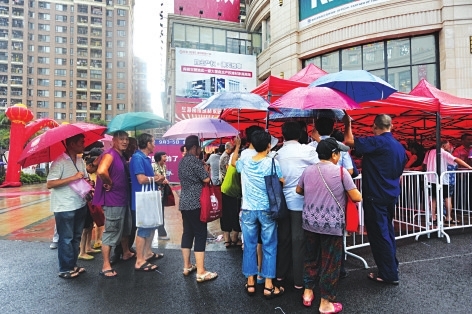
x=49 y=145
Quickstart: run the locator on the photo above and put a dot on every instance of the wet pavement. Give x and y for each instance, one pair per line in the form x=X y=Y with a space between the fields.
x=435 y=277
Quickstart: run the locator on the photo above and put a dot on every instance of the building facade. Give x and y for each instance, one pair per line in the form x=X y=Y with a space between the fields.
x=68 y=60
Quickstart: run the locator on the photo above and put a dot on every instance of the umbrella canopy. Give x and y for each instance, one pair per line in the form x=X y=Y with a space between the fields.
x=315 y=98
x=284 y=114
x=49 y=145
x=360 y=85
x=236 y=100
x=273 y=87
x=308 y=74
x=133 y=121
x=203 y=127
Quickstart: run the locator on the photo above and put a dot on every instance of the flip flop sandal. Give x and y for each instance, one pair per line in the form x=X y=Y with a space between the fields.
x=272 y=293
x=376 y=278
x=188 y=271
x=147 y=267
x=79 y=270
x=105 y=272
x=228 y=244
x=155 y=256
x=250 y=293
x=69 y=274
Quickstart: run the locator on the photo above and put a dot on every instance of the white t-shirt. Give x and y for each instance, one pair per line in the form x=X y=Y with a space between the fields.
x=430 y=161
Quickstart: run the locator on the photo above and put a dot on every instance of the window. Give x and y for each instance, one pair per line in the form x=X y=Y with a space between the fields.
x=43 y=71
x=59 y=115
x=109 y=55
x=109 y=23
x=109 y=75
x=60 y=94
x=31 y=26
x=108 y=86
x=60 y=72
x=108 y=96
x=121 y=2
x=43 y=93
x=61 y=29
x=61 y=40
x=31 y=48
x=44 y=38
x=44 y=27
x=121 y=64
x=60 y=83
x=120 y=75
x=120 y=85
x=108 y=107
x=62 y=51
x=109 y=65
x=44 y=5
x=40 y=115
x=61 y=18
x=109 y=44
x=121 y=23
x=121 y=33
x=43 y=82
x=120 y=54
x=44 y=16
x=109 y=34
x=60 y=61
x=44 y=49
x=61 y=7
x=42 y=104
x=120 y=12
x=120 y=43
x=120 y=106
x=120 y=96
x=109 y=13
x=43 y=60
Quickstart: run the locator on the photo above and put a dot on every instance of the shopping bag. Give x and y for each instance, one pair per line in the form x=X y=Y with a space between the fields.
x=148 y=206
x=97 y=214
x=277 y=205
x=231 y=185
x=81 y=187
x=210 y=202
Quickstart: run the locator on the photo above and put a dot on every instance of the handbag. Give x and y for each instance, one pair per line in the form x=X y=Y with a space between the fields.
x=231 y=185
x=352 y=216
x=81 y=187
x=97 y=214
x=277 y=205
x=148 y=206
x=210 y=202
x=169 y=199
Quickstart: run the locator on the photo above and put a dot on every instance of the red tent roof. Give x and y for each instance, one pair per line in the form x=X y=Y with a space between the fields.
x=275 y=87
x=448 y=104
x=308 y=74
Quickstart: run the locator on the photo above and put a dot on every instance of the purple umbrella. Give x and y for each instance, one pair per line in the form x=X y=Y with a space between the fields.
x=202 y=127
x=315 y=98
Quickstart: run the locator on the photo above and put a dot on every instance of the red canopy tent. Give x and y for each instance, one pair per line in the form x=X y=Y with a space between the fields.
x=273 y=87
x=308 y=74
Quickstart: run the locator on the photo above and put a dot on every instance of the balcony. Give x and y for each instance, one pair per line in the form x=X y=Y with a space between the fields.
x=18 y=2
x=3 y=68
x=18 y=13
x=3 y=56
x=16 y=80
x=17 y=69
x=3 y=79
x=82 y=63
x=96 y=11
x=81 y=95
x=3 y=91
x=17 y=46
x=95 y=107
x=97 y=87
x=17 y=23
x=82 y=74
x=17 y=35
x=16 y=93
x=95 y=96
x=96 y=21
x=81 y=106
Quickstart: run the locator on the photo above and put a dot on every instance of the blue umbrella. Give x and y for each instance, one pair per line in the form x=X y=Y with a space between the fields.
x=290 y=114
x=133 y=121
x=360 y=85
x=234 y=100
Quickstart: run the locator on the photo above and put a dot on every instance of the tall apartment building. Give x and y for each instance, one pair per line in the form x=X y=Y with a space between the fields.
x=141 y=94
x=68 y=60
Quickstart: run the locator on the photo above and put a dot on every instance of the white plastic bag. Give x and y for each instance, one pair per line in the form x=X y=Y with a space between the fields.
x=149 y=206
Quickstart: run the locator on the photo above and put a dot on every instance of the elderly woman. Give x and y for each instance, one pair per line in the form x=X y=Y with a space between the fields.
x=255 y=215
x=192 y=175
x=324 y=185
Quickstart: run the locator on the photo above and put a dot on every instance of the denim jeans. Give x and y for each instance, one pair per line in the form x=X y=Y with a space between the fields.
x=69 y=227
x=253 y=222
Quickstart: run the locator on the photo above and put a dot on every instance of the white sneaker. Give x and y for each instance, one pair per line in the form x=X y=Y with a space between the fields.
x=53 y=245
x=165 y=238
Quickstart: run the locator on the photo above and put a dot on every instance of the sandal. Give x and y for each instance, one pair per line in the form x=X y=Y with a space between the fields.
x=104 y=273
x=69 y=274
x=376 y=278
x=228 y=244
x=338 y=307
x=188 y=271
x=250 y=293
x=155 y=256
x=147 y=267
x=272 y=292
x=207 y=276
x=307 y=302
x=79 y=270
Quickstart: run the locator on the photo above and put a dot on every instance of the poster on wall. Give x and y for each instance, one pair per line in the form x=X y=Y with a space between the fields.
x=174 y=155
x=199 y=74
x=224 y=10
x=313 y=11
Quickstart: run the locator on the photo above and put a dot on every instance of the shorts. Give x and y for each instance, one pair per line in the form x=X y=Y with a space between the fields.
x=117 y=224
x=445 y=188
x=145 y=232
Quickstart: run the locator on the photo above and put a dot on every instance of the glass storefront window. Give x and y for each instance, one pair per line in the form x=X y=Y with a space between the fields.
x=191 y=33
x=424 y=71
x=206 y=35
x=330 y=62
x=351 y=58
x=422 y=49
x=400 y=78
x=398 y=52
x=179 y=32
x=373 y=56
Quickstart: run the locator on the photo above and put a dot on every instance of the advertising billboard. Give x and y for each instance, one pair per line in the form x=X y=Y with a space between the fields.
x=199 y=74
x=313 y=11
x=228 y=9
x=174 y=155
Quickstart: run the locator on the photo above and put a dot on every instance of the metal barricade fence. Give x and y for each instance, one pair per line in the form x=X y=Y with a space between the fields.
x=456 y=193
x=413 y=215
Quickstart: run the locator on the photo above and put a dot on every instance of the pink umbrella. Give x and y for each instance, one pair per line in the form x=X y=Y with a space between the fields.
x=202 y=127
x=315 y=98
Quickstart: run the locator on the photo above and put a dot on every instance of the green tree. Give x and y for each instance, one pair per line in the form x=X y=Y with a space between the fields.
x=4 y=121
x=98 y=122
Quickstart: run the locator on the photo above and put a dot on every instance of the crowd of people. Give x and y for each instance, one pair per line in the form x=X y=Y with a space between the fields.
x=306 y=246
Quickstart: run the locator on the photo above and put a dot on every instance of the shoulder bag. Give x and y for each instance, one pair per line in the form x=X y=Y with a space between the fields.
x=277 y=205
x=231 y=185
x=210 y=202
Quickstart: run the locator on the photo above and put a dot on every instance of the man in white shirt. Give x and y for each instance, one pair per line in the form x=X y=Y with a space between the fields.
x=293 y=158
